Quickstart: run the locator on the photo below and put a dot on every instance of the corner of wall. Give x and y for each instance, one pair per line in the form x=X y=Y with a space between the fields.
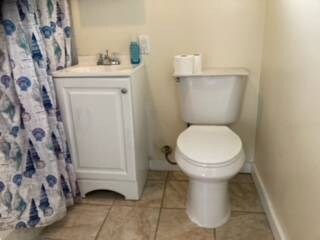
x=275 y=224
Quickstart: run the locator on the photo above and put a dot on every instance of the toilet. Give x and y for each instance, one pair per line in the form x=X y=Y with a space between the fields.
x=208 y=151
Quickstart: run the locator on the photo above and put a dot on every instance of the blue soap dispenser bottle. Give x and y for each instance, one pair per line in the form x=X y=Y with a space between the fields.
x=134 y=51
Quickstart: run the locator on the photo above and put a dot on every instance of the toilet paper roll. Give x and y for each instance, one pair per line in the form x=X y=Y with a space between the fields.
x=197 y=63
x=183 y=64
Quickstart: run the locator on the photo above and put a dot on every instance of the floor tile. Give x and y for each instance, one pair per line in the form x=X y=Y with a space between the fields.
x=242 y=178
x=245 y=226
x=157 y=175
x=178 y=176
x=175 y=195
x=100 y=197
x=244 y=197
x=130 y=223
x=151 y=196
x=82 y=223
x=175 y=224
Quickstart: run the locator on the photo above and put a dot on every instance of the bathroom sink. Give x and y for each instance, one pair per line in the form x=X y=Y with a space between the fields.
x=90 y=69
x=96 y=71
x=103 y=108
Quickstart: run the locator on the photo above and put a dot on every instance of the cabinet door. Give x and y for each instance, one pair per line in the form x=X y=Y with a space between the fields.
x=99 y=125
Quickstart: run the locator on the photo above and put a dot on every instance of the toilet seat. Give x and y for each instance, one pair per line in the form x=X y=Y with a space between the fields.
x=209 y=146
x=210 y=156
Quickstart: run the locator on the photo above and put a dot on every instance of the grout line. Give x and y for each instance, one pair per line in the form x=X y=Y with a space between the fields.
x=103 y=222
x=49 y=238
x=175 y=208
x=159 y=179
x=164 y=190
x=175 y=180
x=155 y=181
x=248 y=183
x=247 y=212
x=97 y=204
x=136 y=206
x=167 y=176
x=161 y=205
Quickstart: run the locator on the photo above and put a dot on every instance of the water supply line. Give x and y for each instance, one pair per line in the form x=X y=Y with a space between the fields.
x=167 y=150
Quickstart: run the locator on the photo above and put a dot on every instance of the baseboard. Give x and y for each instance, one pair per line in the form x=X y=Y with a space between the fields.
x=247 y=167
x=4 y=235
x=25 y=234
x=162 y=165
x=276 y=227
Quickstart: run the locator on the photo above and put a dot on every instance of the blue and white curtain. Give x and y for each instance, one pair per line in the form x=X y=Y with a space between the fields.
x=37 y=179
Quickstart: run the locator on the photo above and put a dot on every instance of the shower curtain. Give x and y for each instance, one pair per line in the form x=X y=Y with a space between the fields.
x=37 y=179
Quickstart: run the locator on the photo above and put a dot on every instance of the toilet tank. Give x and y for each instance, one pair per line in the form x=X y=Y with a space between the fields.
x=213 y=97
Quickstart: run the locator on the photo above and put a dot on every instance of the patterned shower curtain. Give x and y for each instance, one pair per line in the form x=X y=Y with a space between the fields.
x=37 y=179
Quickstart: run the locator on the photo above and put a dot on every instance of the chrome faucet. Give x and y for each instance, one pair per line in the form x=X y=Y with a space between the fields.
x=105 y=59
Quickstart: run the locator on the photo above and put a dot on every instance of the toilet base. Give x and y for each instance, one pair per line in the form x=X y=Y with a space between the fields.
x=208 y=203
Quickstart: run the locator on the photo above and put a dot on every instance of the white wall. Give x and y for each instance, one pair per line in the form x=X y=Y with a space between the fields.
x=227 y=32
x=288 y=141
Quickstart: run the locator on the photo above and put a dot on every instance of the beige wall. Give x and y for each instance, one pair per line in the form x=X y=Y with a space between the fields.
x=288 y=139
x=227 y=32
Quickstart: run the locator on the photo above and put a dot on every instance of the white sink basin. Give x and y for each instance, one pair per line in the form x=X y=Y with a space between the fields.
x=90 y=69
x=96 y=71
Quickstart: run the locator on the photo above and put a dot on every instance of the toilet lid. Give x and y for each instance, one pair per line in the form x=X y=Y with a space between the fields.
x=209 y=145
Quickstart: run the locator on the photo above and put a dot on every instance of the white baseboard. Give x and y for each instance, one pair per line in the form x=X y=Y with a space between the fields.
x=25 y=234
x=247 y=167
x=276 y=227
x=4 y=235
x=163 y=165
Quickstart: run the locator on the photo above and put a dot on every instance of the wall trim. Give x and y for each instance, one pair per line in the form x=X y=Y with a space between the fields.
x=247 y=167
x=4 y=234
x=26 y=234
x=276 y=227
x=163 y=165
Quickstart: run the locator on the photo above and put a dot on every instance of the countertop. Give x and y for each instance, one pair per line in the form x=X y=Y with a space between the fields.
x=87 y=68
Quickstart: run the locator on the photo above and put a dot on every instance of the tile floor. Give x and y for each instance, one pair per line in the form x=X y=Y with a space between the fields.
x=160 y=214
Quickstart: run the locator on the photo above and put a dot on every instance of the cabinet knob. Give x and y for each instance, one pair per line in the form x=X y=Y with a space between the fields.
x=124 y=90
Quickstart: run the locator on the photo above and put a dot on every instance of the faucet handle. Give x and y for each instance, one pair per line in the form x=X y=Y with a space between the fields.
x=115 y=58
x=100 y=59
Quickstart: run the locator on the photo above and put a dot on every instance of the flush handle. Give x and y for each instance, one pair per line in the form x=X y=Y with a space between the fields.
x=124 y=90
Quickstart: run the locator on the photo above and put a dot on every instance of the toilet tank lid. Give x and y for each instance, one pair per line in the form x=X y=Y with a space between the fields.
x=207 y=72
x=209 y=145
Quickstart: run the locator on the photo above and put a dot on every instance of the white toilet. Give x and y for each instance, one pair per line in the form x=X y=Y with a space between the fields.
x=209 y=152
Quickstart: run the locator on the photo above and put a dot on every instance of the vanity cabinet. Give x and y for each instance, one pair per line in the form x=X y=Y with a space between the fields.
x=105 y=120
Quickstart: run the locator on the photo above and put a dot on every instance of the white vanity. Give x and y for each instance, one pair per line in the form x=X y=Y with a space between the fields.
x=103 y=108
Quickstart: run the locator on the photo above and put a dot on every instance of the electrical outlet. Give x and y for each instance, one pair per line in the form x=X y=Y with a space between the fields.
x=144 y=43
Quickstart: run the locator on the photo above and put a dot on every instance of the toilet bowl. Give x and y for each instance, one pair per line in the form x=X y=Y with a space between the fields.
x=210 y=156
x=208 y=151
